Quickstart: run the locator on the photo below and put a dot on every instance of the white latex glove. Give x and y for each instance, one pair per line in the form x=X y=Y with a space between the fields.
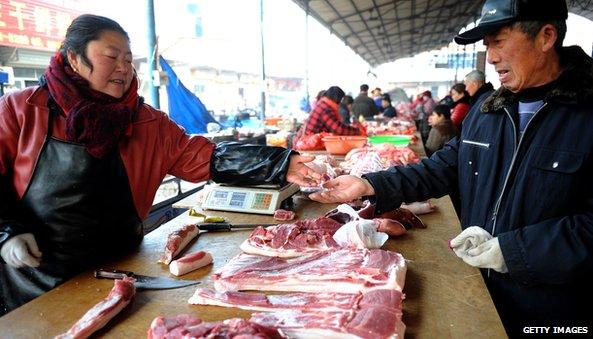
x=487 y=255
x=21 y=250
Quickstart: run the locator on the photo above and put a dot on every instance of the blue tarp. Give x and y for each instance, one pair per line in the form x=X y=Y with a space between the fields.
x=185 y=108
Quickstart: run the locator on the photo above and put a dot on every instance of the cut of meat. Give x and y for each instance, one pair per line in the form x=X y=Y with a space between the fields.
x=324 y=301
x=343 y=270
x=95 y=318
x=422 y=207
x=190 y=262
x=292 y=240
x=368 y=322
x=187 y=326
x=283 y=215
x=176 y=242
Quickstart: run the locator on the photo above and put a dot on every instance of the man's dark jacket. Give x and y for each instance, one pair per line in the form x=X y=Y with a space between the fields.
x=535 y=193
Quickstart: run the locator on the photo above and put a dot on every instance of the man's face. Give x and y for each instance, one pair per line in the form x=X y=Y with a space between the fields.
x=519 y=61
x=471 y=87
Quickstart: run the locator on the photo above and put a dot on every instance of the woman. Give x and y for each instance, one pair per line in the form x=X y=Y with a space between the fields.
x=325 y=116
x=387 y=109
x=345 y=107
x=81 y=158
x=460 y=106
x=442 y=129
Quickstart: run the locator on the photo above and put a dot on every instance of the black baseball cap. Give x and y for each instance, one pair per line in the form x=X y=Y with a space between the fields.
x=497 y=14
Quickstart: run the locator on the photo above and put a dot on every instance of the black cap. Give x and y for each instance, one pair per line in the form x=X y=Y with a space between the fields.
x=497 y=14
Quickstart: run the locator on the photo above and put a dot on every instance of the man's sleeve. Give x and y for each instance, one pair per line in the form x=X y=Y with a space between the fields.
x=433 y=177
x=555 y=251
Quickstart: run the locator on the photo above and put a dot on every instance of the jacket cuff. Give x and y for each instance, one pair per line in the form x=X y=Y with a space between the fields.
x=385 y=199
x=511 y=252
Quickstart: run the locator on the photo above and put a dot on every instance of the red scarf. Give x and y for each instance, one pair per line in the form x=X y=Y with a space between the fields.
x=94 y=119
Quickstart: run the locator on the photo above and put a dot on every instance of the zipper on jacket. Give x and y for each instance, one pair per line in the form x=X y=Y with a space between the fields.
x=513 y=159
x=475 y=143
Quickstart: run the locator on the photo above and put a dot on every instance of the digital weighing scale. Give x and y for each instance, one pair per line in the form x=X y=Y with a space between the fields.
x=263 y=199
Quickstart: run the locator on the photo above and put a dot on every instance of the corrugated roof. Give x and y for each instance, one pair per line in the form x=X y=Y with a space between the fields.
x=381 y=31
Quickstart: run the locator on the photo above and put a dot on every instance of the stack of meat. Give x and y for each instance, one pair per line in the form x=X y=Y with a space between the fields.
x=311 y=142
x=360 y=161
x=336 y=291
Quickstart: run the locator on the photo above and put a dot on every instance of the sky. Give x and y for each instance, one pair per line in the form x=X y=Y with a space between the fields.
x=231 y=40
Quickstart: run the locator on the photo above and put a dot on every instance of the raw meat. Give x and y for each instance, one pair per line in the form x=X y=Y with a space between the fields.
x=343 y=270
x=176 y=242
x=190 y=262
x=283 y=215
x=369 y=163
x=328 y=302
x=187 y=326
x=422 y=207
x=368 y=322
x=292 y=240
x=95 y=318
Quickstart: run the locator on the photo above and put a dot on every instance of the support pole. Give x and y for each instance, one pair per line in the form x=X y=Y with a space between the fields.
x=151 y=56
x=263 y=59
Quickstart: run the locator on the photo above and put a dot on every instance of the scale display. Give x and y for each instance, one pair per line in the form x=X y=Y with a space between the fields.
x=260 y=199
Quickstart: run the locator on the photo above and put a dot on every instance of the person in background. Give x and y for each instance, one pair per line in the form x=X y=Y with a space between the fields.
x=82 y=157
x=345 y=107
x=388 y=109
x=326 y=118
x=460 y=104
x=363 y=105
x=442 y=129
x=428 y=102
x=317 y=98
x=523 y=167
x=423 y=108
x=477 y=87
x=377 y=98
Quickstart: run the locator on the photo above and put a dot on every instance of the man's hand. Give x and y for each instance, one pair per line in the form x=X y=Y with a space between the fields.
x=21 y=250
x=301 y=174
x=476 y=247
x=344 y=188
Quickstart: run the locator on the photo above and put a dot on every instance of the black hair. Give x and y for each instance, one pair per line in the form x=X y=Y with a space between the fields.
x=84 y=29
x=386 y=97
x=459 y=87
x=347 y=100
x=443 y=110
x=364 y=88
x=334 y=93
x=319 y=94
x=532 y=28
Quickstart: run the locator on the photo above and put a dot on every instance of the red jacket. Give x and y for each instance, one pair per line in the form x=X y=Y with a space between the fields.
x=459 y=112
x=156 y=147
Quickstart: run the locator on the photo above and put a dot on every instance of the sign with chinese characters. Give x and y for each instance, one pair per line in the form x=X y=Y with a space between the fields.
x=36 y=24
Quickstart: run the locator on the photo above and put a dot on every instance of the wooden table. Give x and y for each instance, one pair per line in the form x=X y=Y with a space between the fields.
x=445 y=298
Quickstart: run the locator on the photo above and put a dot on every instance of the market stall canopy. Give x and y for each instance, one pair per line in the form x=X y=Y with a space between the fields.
x=381 y=31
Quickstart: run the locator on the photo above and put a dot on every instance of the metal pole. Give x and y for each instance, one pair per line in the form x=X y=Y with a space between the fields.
x=307 y=51
x=151 y=55
x=263 y=62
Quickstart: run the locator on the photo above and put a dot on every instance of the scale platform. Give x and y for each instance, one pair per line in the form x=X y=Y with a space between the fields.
x=263 y=199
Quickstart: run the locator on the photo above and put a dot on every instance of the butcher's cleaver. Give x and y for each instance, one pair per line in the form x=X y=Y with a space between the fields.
x=145 y=282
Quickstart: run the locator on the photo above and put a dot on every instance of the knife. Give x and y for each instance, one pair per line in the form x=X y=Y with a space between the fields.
x=145 y=282
x=225 y=226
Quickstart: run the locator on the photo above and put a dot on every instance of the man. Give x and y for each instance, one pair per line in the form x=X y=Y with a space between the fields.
x=523 y=166
x=363 y=105
x=476 y=86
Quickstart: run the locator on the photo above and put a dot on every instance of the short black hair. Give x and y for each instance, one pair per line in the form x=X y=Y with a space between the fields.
x=335 y=94
x=532 y=28
x=443 y=110
x=347 y=100
x=386 y=97
x=84 y=29
x=364 y=88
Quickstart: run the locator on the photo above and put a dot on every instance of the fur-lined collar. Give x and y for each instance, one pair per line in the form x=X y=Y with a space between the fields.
x=575 y=84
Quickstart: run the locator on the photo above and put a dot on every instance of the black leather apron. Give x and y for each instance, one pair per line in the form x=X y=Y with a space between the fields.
x=81 y=212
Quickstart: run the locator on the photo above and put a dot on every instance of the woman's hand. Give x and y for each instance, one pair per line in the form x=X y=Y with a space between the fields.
x=300 y=174
x=344 y=188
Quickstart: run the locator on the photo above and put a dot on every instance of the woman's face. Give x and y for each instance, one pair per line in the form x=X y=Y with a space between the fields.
x=111 y=58
x=434 y=119
x=456 y=95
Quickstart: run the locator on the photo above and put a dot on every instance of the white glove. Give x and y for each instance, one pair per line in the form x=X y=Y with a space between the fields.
x=470 y=238
x=476 y=247
x=21 y=250
x=487 y=255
